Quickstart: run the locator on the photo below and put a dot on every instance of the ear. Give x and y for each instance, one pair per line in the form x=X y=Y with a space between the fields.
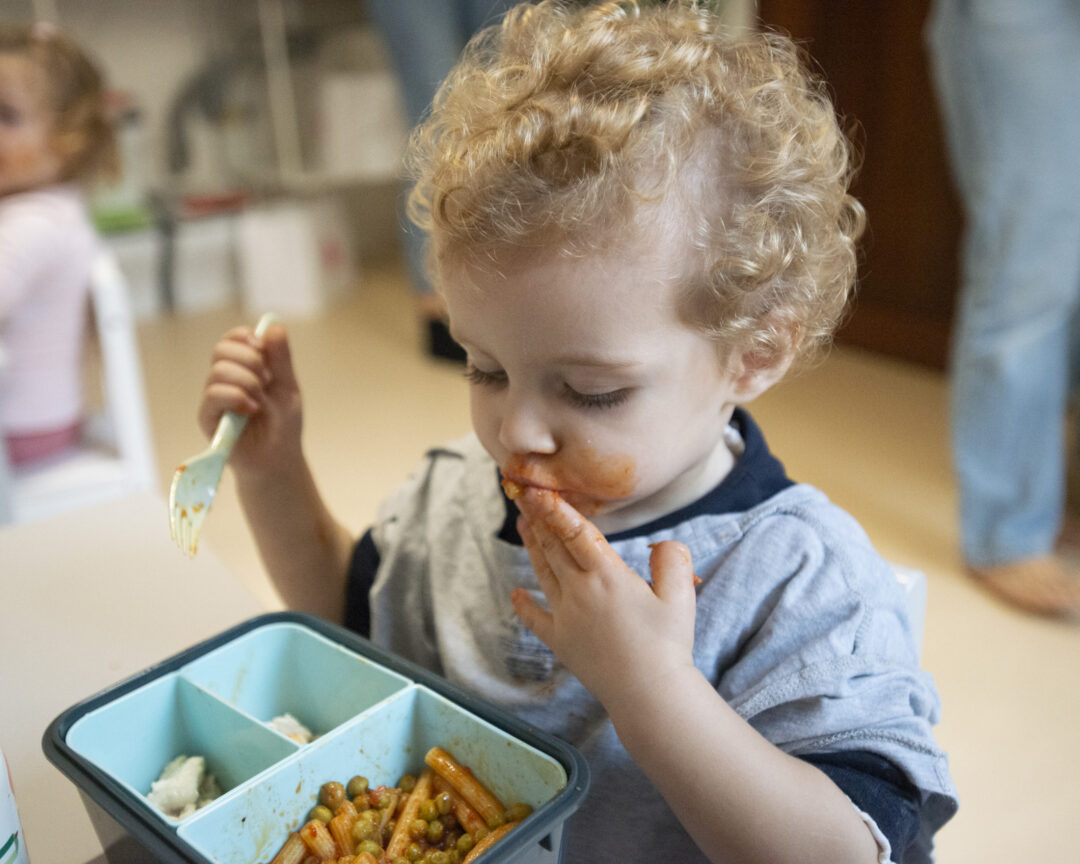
x=760 y=366
x=754 y=373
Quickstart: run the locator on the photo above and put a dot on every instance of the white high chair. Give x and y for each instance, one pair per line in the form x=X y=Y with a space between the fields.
x=117 y=453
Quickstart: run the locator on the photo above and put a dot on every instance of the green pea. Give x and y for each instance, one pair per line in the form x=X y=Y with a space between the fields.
x=465 y=843
x=444 y=803
x=331 y=794
x=407 y=782
x=434 y=831
x=357 y=786
x=413 y=852
x=496 y=820
x=371 y=847
x=439 y=857
x=428 y=810
x=364 y=829
x=320 y=812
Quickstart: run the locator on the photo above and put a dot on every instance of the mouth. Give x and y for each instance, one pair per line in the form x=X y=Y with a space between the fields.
x=515 y=487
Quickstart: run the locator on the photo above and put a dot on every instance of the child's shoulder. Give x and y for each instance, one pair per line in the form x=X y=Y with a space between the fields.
x=51 y=209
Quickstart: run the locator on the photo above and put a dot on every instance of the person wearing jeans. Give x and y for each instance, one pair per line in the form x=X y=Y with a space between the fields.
x=425 y=39
x=1007 y=74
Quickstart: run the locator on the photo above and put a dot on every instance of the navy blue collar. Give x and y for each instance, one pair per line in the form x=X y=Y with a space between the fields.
x=756 y=476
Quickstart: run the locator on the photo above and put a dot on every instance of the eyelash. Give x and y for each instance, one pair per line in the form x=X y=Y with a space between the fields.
x=581 y=400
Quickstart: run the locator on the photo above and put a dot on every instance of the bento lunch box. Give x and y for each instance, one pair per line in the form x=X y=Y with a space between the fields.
x=373 y=713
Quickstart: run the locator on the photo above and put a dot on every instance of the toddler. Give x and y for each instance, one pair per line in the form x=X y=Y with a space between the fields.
x=54 y=135
x=639 y=220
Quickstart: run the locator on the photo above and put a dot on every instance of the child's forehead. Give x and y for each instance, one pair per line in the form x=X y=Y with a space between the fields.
x=650 y=244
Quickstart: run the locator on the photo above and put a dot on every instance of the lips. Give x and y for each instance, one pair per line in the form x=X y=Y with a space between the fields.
x=515 y=487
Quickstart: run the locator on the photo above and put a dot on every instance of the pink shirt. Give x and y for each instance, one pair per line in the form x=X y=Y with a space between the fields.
x=47 y=248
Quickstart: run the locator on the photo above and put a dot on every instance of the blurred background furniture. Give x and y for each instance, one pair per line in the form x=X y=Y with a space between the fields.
x=117 y=453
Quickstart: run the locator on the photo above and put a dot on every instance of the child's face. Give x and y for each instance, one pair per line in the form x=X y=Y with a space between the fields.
x=28 y=157
x=584 y=380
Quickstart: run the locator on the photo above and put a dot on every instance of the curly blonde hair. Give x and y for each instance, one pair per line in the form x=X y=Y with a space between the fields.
x=75 y=94
x=562 y=124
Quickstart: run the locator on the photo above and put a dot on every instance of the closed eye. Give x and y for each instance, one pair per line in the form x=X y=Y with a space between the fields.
x=610 y=399
x=478 y=376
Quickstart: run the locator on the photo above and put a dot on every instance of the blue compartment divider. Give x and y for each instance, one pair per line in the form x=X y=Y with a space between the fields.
x=286 y=668
x=133 y=738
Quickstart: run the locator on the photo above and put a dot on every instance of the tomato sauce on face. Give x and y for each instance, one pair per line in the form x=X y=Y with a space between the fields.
x=588 y=480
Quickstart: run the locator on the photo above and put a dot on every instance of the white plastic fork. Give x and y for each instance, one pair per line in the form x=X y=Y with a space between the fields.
x=195 y=482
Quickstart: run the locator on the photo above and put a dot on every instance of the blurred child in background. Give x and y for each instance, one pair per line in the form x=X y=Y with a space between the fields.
x=54 y=137
x=639 y=220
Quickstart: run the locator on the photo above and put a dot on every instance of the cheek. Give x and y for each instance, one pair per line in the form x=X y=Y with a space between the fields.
x=22 y=158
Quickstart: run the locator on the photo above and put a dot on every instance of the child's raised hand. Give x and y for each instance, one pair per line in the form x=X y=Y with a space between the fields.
x=620 y=636
x=255 y=377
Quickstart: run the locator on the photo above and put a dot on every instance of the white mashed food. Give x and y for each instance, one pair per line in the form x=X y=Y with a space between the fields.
x=290 y=727
x=183 y=787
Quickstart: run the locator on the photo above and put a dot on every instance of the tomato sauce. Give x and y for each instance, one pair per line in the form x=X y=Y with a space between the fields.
x=587 y=481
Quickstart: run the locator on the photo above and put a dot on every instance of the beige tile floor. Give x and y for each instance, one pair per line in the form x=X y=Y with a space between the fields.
x=868 y=430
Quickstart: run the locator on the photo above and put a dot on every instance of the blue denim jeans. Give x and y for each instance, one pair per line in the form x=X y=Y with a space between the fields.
x=1008 y=79
x=424 y=39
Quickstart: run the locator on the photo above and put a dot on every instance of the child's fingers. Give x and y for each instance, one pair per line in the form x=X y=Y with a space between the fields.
x=232 y=374
x=581 y=539
x=219 y=398
x=672 y=572
x=279 y=357
x=243 y=333
x=538 y=620
x=238 y=353
x=553 y=548
x=549 y=582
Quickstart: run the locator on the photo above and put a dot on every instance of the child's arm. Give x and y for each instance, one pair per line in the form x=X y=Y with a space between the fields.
x=631 y=645
x=303 y=547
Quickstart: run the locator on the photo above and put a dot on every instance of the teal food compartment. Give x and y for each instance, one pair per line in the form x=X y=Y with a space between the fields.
x=373 y=714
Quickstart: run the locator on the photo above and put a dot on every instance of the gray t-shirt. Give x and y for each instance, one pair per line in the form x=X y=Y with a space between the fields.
x=801 y=626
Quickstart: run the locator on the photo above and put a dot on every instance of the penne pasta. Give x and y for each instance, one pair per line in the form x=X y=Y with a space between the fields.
x=489 y=841
x=341 y=828
x=292 y=851
x=465 y=813
x=466 y=785
x=317 y=838
x=400 y=839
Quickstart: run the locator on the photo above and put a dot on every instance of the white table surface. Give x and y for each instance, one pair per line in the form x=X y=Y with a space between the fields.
x=87 y=599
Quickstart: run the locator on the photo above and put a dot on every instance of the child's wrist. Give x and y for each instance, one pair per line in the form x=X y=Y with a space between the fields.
x=289 y=472
x=639 y=699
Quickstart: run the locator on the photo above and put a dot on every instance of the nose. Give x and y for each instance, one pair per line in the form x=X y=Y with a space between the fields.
x=524 y=426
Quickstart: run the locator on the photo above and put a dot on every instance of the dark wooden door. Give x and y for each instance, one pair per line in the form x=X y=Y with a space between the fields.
x=873 y=56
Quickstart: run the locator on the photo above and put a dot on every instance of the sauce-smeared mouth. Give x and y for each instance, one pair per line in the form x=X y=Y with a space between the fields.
x=512 y=488
x=515 y=488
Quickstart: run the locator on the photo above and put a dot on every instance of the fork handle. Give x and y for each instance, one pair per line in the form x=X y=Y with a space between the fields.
x=232 y=424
